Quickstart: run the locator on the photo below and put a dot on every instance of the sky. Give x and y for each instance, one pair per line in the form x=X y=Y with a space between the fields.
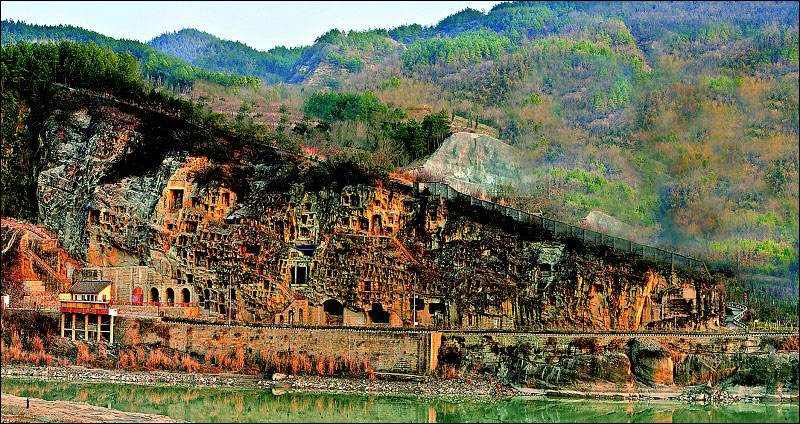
x=262 y=25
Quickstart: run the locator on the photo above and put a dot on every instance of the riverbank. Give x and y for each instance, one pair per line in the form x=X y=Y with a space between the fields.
x=18 y=409
x=455 y=390
x=427 y=386
x=232 y=404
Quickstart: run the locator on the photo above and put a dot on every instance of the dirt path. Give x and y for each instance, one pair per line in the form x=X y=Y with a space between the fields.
x=14 y=410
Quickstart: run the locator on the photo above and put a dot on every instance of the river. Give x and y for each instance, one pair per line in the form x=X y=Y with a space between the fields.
x=249 y=405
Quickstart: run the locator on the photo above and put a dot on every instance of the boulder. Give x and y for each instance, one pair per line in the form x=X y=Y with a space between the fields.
x=477 y=163
x=613 y=367
x=650 y=362
x=278 y=377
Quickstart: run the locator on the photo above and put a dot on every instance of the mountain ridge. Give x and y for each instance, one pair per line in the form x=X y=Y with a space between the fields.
x=680 y=118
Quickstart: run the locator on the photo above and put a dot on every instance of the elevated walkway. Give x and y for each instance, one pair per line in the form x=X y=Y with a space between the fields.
x=563 y=230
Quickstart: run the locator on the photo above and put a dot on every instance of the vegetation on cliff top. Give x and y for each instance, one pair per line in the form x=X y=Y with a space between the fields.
x=679 y=118
x=29 y=72
x=364 y=122
x=37 y=78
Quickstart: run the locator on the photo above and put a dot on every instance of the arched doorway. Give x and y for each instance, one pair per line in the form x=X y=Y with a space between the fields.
x=334 y=312
x=291 y=317
x=138 y=296
x=377 y=315
x=186 y=295
x=170 y=296
x=154 y=295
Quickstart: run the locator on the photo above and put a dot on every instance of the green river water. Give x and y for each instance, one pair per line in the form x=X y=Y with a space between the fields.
x=247 y=405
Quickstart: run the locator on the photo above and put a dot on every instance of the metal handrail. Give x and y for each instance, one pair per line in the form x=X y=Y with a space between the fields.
x=162 y=304
x=559 y=228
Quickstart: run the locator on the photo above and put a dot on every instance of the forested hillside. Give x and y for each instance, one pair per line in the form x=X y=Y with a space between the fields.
x=679 y=119
x=209 y=52
x=160 y=68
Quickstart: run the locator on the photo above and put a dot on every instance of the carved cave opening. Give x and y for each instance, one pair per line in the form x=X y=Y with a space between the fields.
x=334 y=311
x=378 y=315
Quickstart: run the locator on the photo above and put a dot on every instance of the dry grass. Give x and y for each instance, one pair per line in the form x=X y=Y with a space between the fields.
x=16 y=353
x=158 y=360
x=302 y=363
x=138 y=357
x=447 y=372
x=84 y=356
x=127 y=360
x=790 y=344
x=190 y=364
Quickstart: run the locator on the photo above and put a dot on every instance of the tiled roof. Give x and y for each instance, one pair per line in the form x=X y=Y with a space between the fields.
x=89 y=287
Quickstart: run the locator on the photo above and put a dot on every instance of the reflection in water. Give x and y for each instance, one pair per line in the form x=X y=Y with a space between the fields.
x=248 y=405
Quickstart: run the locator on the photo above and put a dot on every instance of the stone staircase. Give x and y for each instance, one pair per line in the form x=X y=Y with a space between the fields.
x=734 y=319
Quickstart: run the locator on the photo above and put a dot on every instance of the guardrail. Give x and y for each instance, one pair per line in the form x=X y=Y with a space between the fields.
x=564 y=230
x=160 y=304
x=84 y=304
x=512 y=332
x=84 y=307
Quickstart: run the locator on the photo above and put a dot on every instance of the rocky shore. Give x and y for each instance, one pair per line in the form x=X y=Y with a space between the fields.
x=425 y=387
x=76 y=373
x=452 y=389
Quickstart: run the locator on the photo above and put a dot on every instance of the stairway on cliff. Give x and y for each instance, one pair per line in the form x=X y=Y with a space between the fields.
x=734 y=312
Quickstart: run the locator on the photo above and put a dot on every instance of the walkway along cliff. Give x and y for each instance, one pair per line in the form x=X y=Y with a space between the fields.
x=213 y=246
x=259 y=235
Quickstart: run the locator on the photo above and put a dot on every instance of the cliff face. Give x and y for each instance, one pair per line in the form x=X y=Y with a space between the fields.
x=266 y=236
x=620 y=364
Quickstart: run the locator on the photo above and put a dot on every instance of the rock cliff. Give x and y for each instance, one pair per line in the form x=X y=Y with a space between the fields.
x=620 y=364
x=262 y=235
x=477 y=163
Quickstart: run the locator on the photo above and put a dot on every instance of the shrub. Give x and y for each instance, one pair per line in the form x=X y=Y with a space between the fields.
x=189 y=364
x=84 y=356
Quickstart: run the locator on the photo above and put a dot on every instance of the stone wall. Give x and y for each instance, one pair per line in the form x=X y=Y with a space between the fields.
x=532 y=360
x=388 y=351
x=613 y=362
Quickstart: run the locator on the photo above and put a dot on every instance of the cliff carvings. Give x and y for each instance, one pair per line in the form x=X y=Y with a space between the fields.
x=269 y=237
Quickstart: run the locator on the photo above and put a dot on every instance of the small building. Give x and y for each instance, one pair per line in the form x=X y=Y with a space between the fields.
x=87 y=309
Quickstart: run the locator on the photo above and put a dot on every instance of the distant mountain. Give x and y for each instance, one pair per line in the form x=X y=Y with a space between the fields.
x=334 y=54
x=680 y=118
x=232 y=57
x=157 y=66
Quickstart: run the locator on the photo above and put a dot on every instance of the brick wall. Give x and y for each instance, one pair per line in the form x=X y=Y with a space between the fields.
x=123 y=279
